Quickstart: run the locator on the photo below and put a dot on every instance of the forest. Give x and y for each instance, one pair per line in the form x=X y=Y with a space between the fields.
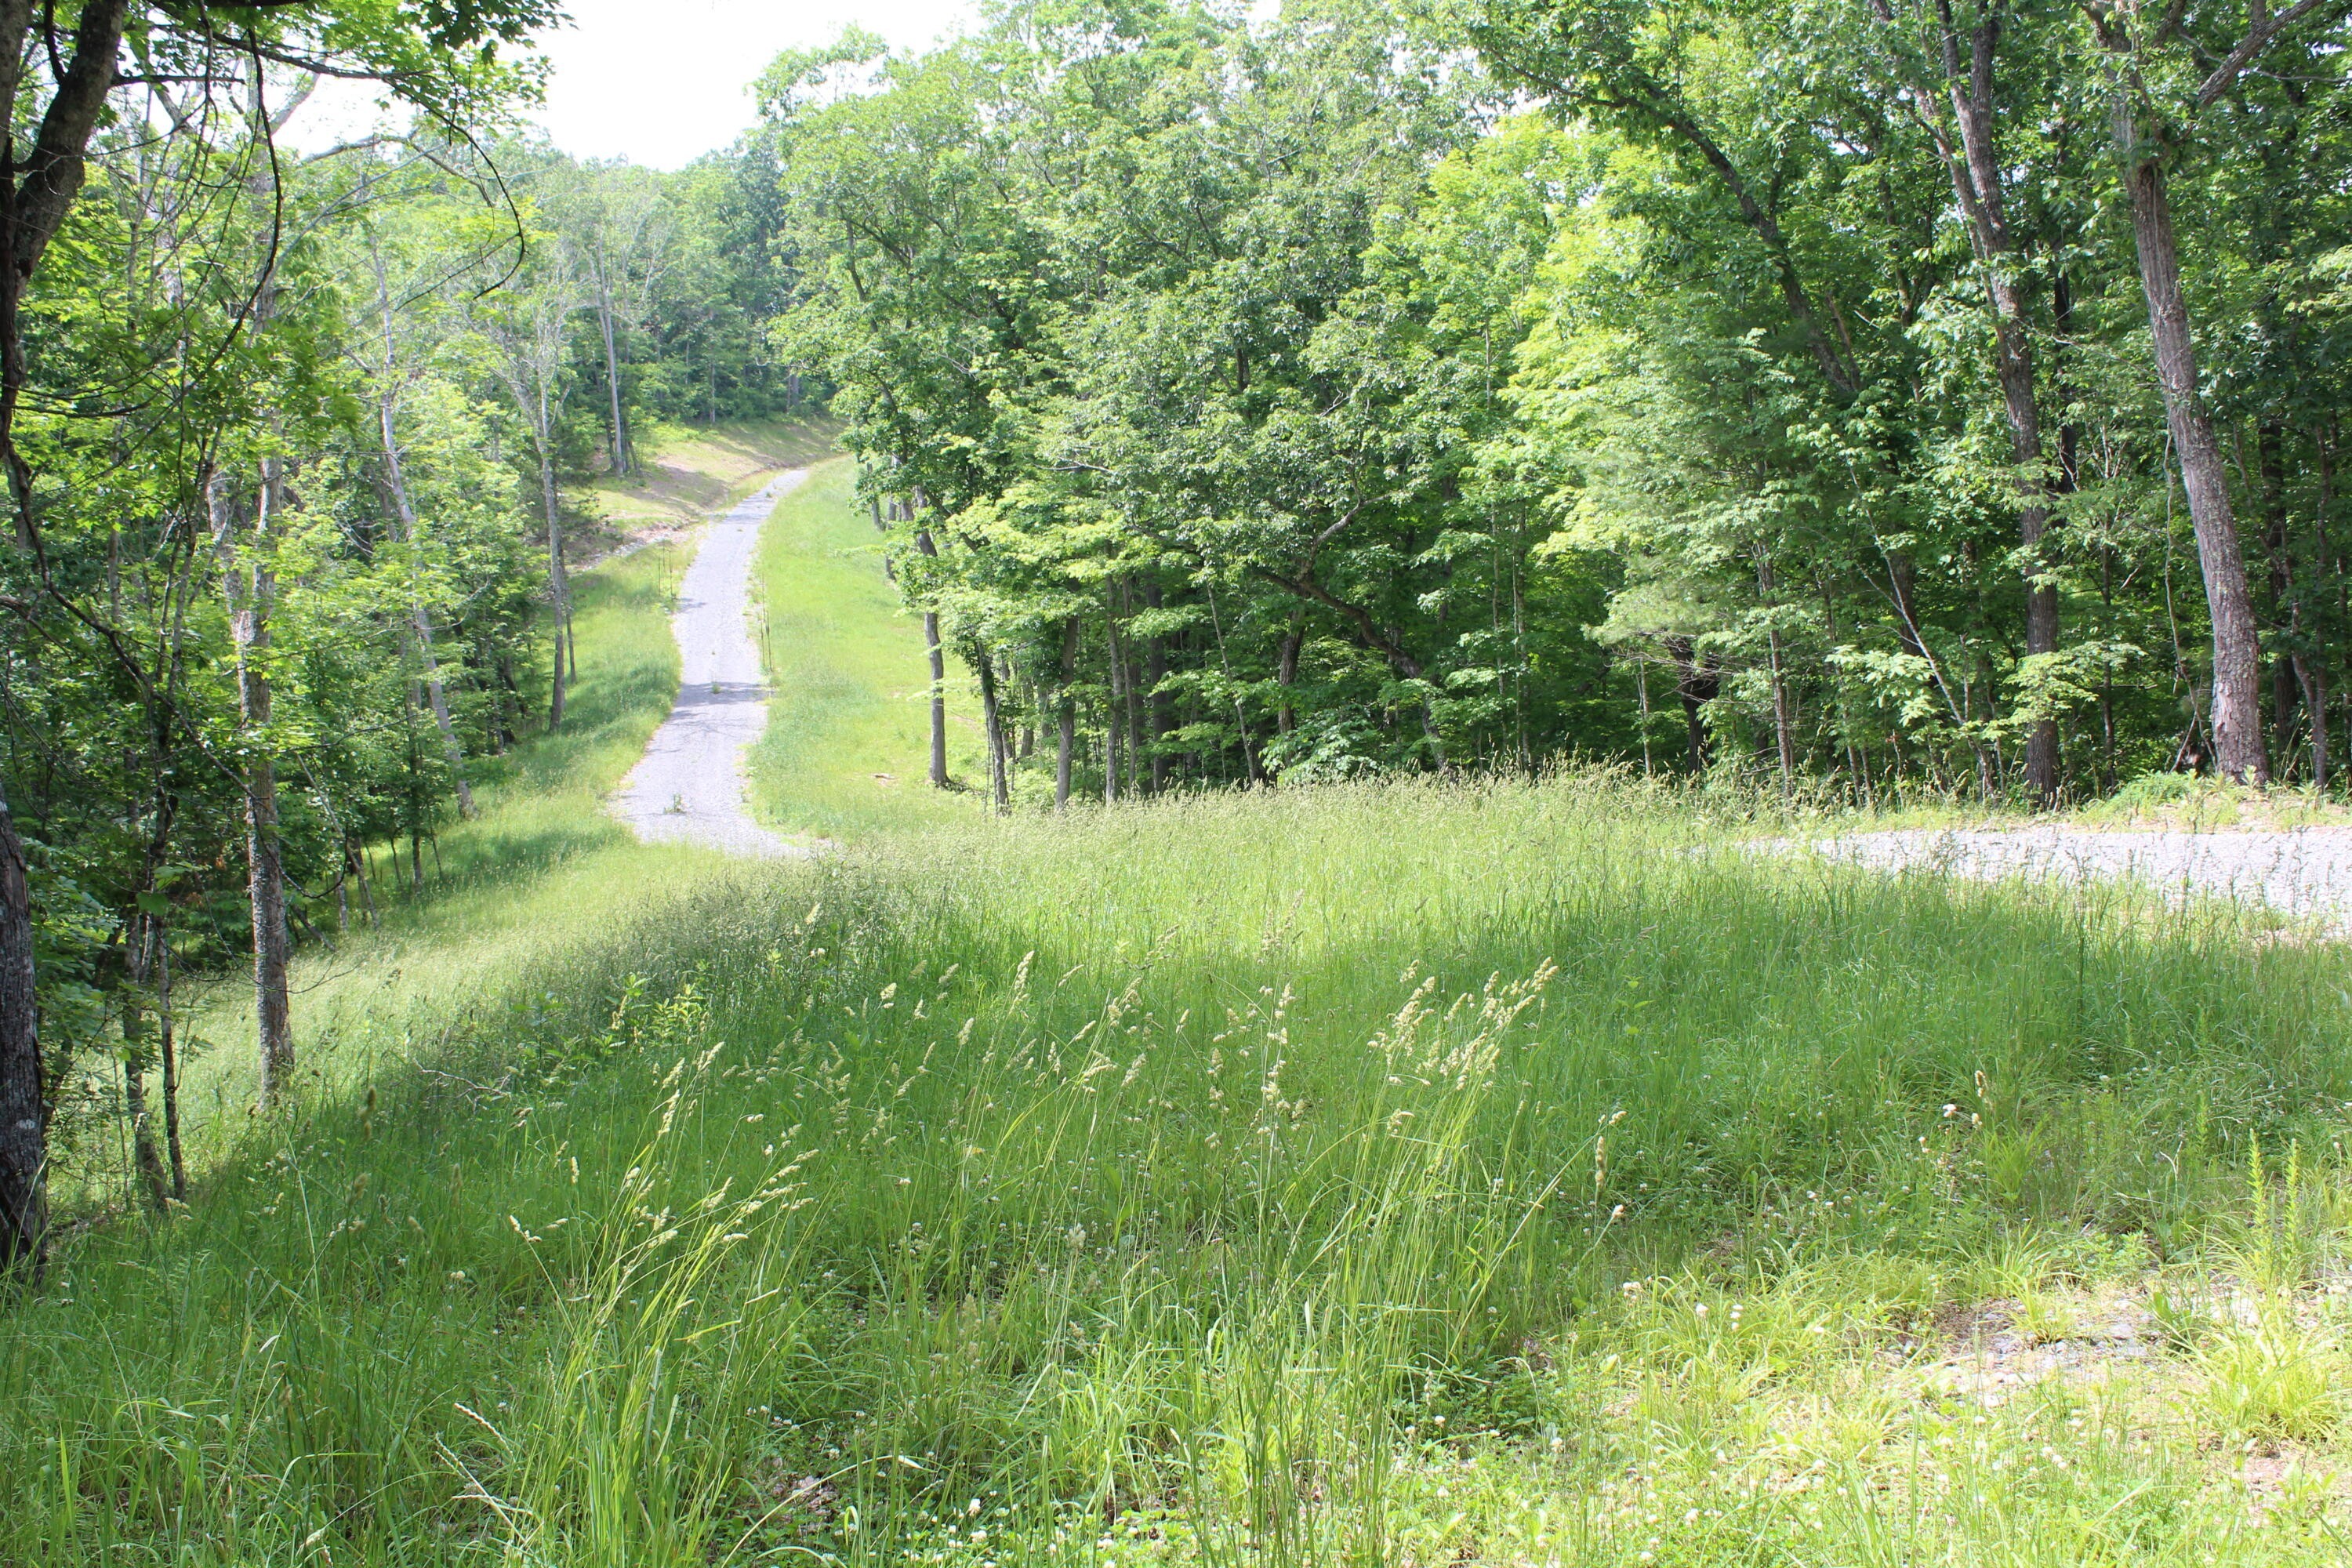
x=1337 y=548
x=1851 y=396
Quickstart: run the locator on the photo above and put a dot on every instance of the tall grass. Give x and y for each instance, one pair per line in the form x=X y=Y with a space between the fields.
x=847 y=748
x=529 y=877
x=1213 y=1179
x=1421 y=1172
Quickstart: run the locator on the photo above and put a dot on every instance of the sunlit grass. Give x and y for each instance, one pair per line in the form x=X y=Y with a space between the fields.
x=1423 y=1172
x=541 y=867
x=847 y=751
x=691 y=471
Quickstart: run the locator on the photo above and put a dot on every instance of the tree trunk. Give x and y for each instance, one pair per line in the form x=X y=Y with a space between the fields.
x=1155 y=671
x=1975 y=168
x=1137 y=781
x=1286 y=673
x=1066 y=741
x=612 y=366
x=999 y=786
x=24 y=1098
x=1783 y=740
x=147 y=1160
x=559 y=582
x=1115 y=703
x=2239 y=754
x=939 y=678
x=250 y=589
x=167 y=1047
x=418 y=615
x=1698 y=682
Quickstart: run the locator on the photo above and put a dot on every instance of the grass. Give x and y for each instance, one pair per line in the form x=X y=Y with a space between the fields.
x=847 y=749
x=690 y=471
x=1405 y=1174
x=528 y=876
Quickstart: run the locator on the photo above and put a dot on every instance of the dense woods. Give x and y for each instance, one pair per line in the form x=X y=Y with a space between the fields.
x=1849 y=396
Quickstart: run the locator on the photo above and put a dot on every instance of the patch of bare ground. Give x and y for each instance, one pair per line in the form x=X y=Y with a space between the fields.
x=685 y=477
x=2110 y=1348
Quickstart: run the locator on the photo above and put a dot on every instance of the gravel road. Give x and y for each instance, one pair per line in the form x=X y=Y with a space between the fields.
x=2302 y=871
x=689 y=786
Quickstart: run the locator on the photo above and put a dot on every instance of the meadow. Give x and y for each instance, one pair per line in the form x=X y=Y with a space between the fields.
x=1430 y=1171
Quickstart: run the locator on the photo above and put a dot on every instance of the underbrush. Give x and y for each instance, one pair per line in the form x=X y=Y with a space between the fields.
x=1406 y=1173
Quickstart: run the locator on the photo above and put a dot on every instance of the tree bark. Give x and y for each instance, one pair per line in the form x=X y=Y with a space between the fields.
x=612 y=366
x=24 y=1098
x=1977 y=181
x=1698 y=682
x=939 y=677
x=1155 y=671
x=1115 y=701
x=397 y=482
x=37 y=187
x=2237 y=719
x=250 y=588
x=421 y=618
x=1286 y=673
x=147 y=1160
x=1067 y=739
x=1000 y=790
x=559 y=582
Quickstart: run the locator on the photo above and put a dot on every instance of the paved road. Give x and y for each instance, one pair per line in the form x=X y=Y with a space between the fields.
x=689 y=786
x=2294 y=870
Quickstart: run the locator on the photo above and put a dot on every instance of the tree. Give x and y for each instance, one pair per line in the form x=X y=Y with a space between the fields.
x=431 y=60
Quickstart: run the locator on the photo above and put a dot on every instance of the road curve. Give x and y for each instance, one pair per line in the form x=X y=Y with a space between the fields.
x=689 y=786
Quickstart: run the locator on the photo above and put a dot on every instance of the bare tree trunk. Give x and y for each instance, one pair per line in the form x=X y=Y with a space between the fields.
x=397 y=481
x=2313 y=672
x=422 y=619
x=167 y=1047
x=939 y=677
x=1114 y=703
x=2237 y=716
x=250 y=589
x=24 y=1098
x=1155 y=671
x=1782 y=739
x=1000 y=789
x=559 y=582
x=1975 y=174
x=147 y=934
x=1286 y=673
x=612 y=366
x=1137 y=779
x=1698 y=682
x=1067 y=741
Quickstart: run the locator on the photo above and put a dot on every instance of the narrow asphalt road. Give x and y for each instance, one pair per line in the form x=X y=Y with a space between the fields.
x=689 y=786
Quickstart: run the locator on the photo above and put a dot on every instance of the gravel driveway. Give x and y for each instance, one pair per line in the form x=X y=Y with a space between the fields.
x=2302 y=871
x=689 y=788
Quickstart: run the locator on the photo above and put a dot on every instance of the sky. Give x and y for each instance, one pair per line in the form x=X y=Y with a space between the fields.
x=661 y=82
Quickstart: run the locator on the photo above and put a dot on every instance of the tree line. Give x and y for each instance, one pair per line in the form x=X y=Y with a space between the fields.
x=1843 y=396
x=286 y=428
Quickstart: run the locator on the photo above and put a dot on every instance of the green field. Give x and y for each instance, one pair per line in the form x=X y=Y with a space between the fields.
x=1413 y=1173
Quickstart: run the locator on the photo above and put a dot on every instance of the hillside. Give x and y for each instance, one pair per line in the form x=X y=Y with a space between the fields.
x=1411 y=1172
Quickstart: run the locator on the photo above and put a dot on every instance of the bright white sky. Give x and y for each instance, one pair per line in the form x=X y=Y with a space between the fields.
x=661 y=82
